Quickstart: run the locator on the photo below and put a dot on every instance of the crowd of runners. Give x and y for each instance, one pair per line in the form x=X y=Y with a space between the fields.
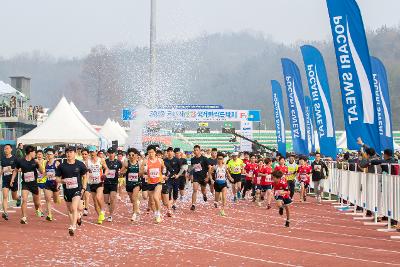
x=158 y=178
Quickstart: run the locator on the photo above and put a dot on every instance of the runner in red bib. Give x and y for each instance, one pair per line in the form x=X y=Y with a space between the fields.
x=249 y=169
x=303 y=177
x=282 y=194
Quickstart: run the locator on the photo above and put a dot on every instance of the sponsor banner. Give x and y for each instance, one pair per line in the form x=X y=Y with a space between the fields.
x=295 y=97
x=279 y=115
x=309 y=123
x=321 y=99
x=203 y=115
x=382 y=104
x=246 y=129
x=355 y=75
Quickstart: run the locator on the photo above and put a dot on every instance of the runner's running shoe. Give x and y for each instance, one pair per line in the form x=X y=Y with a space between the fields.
x=5 y=216
x=71 y=231
x=287 y=223
x=39 y=213
x=158 y=219
x=23 y=220
x=109 y=219
x=18 y=202
x=222 y=213
x=85 y=212
x=49 y=218
x=192 y=207
x=205 y=198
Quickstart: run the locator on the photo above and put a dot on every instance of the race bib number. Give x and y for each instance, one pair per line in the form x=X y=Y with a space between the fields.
x=29 y=177
x=221 y=176
x=111 y=174
x=197 y=167
x=317 y=168
x=303 y=177
x=236 y=169
x=133 y=177
x=71 y=183
x=51 y=175
x=154 y=173
x=94 y=178
x=7 y=170
x=268 y=178
x=258 y=179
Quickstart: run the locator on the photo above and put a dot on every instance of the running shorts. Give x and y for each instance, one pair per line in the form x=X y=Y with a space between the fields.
x=52 y=186
x=200 y=180
x=286 y=201
x=131 y=186
x=93 y=187
x=31 y=187
x=152 y=187
x=70 y=194
x=6 y=183
x=108 y=188
x=236 y=178
x=263 y=188
x=219 y=186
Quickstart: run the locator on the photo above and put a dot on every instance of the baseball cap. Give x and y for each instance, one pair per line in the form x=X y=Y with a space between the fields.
x=92 y=148
x=235 y=154
x=70 y=148
x=111 y=150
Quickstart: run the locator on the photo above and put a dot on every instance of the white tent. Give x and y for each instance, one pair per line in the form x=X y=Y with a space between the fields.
x=110 y=132
x=104 y=142
x=6 y=89
x=61 y=127
x=120 y=129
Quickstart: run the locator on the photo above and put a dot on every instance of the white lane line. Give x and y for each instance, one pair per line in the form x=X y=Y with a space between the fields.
x=273 y=246
x=184 y=245
x=293 y=237
x=310 y=230
x=300 y=216
x=310 y=222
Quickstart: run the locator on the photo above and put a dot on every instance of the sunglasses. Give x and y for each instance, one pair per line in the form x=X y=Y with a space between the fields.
x=220 y=158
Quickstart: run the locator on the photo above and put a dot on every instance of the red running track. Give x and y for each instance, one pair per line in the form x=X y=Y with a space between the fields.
x=249 y=236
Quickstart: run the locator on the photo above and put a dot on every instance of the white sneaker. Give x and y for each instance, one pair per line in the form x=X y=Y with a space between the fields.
x=134 y=217
x=85 y=212
x=109 y=219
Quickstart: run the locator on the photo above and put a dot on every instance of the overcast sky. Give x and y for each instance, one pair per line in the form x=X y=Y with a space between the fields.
x=68 y=28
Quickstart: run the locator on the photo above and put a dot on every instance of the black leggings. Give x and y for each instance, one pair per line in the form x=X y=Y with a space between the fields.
x=173 y=188
x=246 y=186
x=291 y=184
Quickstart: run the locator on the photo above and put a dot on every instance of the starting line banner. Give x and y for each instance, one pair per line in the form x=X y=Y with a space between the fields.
x=202 y=115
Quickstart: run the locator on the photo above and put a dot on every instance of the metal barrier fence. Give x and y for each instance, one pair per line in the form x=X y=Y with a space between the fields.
x=375 y=192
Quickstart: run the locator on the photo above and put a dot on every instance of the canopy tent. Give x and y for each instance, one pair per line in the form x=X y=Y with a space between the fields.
x=104 y=142
x=6 y=89
x=61 y=127
x=110 y=132
x=120 y=129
